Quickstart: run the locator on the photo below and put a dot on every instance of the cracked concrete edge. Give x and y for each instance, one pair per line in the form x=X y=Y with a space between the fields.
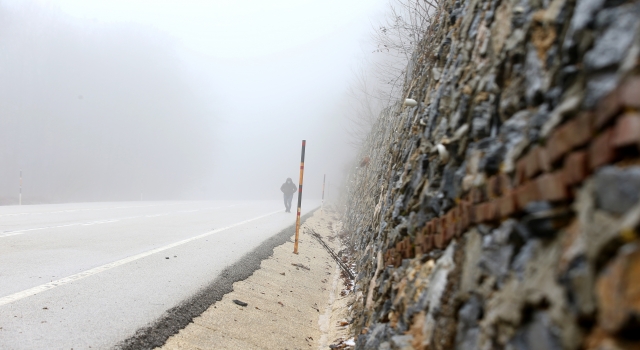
x=178 y=317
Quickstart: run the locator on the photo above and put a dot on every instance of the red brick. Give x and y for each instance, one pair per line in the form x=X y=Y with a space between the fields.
x=397 y=260
x=575 y=168
x=582 y=129
x=428 y=243
x=479 y=213
x=537 y=160
x=552 y=187
x=521 y=172
x=601 y=150
x=492 y=209
x=627 y=130
x=455 y=221
x=436 y=226
x=438 y=240
x=390 y=256
x=429 y=228
x=608 y=107
x=418 y=250
x=507 y=204
x=558 y=145
x=531 y=167
x=408 y=251
x=630 y=93
x=443 y=224
x=526 y=193
x=505 y=183
x=419 y=238
x=450 y=232
x=476 y=195
x=493 y=187
x=485 y=212
x=472 y=215
x=461 y=226
x=465 y=218
x=543 y=159
x=447 y=229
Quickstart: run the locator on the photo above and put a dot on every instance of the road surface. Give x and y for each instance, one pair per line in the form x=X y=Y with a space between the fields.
x=89 y=275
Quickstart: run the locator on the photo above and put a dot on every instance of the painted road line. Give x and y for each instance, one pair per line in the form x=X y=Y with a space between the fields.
x=107 y=221
x=89 y=209
x=96 y=270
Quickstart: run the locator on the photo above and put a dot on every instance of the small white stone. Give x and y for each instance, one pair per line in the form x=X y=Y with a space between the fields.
x=410 y=102
x=442 y=152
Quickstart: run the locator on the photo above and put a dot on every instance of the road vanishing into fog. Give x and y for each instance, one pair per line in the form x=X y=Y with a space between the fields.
x=89 y=275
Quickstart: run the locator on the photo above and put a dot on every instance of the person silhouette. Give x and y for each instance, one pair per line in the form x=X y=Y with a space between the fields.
x=288 y=188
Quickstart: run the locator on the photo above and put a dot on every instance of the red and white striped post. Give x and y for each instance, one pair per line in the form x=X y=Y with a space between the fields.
x=295 y=244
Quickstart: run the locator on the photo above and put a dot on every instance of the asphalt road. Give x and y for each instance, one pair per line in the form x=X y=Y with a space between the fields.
x=81 y=276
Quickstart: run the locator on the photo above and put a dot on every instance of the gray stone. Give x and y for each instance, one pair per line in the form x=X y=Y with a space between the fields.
x=584 y=13
x=401 y=342
x=537 y=121
x=496 y=256
x=598 y=86
x=493 y=157
x=533 y=77
x=610 y=48
x=543 y=220
x=539 y=334
x=523 y=257
x=468 y=339
x=579 y=281
x=481 y=120
x=616 y=189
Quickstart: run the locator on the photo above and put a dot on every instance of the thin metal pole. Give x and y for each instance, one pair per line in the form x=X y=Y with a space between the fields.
x=20 y=197
x=295 y=244
x=324 y=179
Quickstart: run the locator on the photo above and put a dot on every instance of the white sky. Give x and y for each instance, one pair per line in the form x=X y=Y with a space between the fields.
x=235 y=29
x=273 y=73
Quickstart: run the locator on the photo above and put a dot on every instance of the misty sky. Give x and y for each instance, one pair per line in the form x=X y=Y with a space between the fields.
x=111 y=100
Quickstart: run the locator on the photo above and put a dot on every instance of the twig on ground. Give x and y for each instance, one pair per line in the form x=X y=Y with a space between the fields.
x=344 y=267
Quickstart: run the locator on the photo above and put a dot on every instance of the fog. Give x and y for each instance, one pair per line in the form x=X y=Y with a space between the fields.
x=152 y=100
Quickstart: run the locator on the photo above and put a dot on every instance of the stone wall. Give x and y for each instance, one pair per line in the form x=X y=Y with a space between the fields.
x=502 y=212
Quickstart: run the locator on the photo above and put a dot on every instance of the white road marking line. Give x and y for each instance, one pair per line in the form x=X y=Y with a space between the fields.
x=75 y=210
x=90 y=223
x=48 y=286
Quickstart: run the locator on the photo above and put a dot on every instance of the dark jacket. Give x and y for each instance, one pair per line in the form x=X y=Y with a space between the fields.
x=289 y=188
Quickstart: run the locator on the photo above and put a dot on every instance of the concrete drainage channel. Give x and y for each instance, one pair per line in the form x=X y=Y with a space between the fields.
x=180 y=316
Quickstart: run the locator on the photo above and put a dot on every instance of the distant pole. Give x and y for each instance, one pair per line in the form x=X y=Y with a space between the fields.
x=20 y=196
x=324 y=179
x=295 y=244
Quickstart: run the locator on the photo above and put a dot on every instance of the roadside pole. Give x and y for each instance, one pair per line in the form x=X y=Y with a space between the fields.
x=323 y=181
x=295 y=244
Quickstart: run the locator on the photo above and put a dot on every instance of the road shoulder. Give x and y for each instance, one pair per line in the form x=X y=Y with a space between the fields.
x=178 y=317
x=289 y=300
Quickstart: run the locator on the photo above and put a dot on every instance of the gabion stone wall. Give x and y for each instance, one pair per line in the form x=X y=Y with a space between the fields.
x=502 y=212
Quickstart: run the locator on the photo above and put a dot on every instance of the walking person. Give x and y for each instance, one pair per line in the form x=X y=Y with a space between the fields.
x=288 y=188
